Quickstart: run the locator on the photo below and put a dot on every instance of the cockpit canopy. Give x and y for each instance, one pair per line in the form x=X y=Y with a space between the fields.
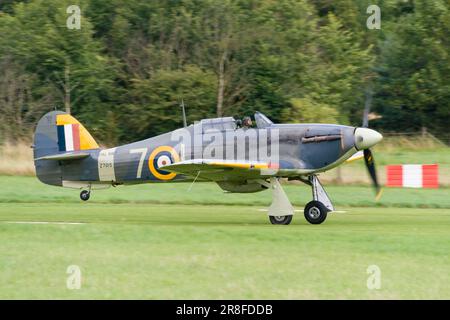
x=229 y=123
x=226 y=123
x=262 y=121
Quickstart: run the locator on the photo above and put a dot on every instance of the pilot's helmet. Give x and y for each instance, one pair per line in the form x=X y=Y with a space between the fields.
x=247 y=122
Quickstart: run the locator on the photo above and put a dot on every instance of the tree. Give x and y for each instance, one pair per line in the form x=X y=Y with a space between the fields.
x=290 y=59
x=37 y=38
x=19 y=108
x=414 y=86
x=305 y=110
x=155 y=106
x=340 y=78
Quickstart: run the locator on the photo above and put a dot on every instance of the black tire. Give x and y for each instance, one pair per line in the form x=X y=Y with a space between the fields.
x=280 y=219
x=315 y=212
x=85 y=195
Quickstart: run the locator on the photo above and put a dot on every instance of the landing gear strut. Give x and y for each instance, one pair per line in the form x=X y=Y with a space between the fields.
x=281 y=210
x=316 y=211
x=85 y=194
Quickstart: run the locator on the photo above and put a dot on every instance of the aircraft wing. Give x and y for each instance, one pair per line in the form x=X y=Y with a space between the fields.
x=217 y=170
x=65 y=156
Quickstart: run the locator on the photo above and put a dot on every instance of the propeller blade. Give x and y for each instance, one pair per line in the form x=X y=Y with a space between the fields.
x=367 y=104
x=370 y=164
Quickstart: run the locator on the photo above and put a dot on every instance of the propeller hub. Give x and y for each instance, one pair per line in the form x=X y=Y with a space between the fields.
x=366 y=138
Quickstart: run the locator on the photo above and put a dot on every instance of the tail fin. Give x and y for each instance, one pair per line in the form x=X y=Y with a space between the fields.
x=58 y=132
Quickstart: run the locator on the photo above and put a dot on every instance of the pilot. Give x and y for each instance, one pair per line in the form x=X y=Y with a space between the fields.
x=246 y=122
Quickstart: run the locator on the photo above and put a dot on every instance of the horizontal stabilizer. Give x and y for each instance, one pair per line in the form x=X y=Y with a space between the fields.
x=65 y=156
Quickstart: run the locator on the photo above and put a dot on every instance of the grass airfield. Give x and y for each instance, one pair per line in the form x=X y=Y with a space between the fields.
x=163 y=242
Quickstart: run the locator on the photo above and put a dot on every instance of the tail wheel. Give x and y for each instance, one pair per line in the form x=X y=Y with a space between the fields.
x=316 y=212
x=280 y=219
x=85 y=195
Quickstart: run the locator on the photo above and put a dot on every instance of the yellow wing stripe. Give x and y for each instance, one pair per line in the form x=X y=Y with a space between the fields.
x=86 y=140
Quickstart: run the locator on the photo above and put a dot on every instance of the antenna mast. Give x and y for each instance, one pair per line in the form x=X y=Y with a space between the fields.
x=184 y=113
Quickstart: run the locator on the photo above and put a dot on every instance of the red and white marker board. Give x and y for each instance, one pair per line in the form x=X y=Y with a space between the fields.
x=412 y=176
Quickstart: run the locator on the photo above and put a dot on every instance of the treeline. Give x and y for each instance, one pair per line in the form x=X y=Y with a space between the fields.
x=127 y=69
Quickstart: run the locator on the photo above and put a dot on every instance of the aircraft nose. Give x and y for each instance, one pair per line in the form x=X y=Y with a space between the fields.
x=366 y=138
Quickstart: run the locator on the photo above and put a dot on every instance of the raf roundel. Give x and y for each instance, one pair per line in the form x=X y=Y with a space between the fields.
x=162 y=156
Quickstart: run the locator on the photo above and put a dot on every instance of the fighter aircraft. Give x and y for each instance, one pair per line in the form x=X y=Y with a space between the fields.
x=239 y=156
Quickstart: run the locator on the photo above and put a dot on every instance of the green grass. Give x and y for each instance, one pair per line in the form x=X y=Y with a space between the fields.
x=221 y=252
x=163 y=242
x=402 y=156
x=30 y=190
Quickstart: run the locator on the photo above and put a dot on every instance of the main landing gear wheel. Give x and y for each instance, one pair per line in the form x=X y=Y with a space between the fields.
x=281 y=219
x=85 y=195
x=315 y=212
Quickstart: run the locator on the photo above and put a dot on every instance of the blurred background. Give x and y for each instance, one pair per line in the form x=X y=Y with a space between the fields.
x=125 y=71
